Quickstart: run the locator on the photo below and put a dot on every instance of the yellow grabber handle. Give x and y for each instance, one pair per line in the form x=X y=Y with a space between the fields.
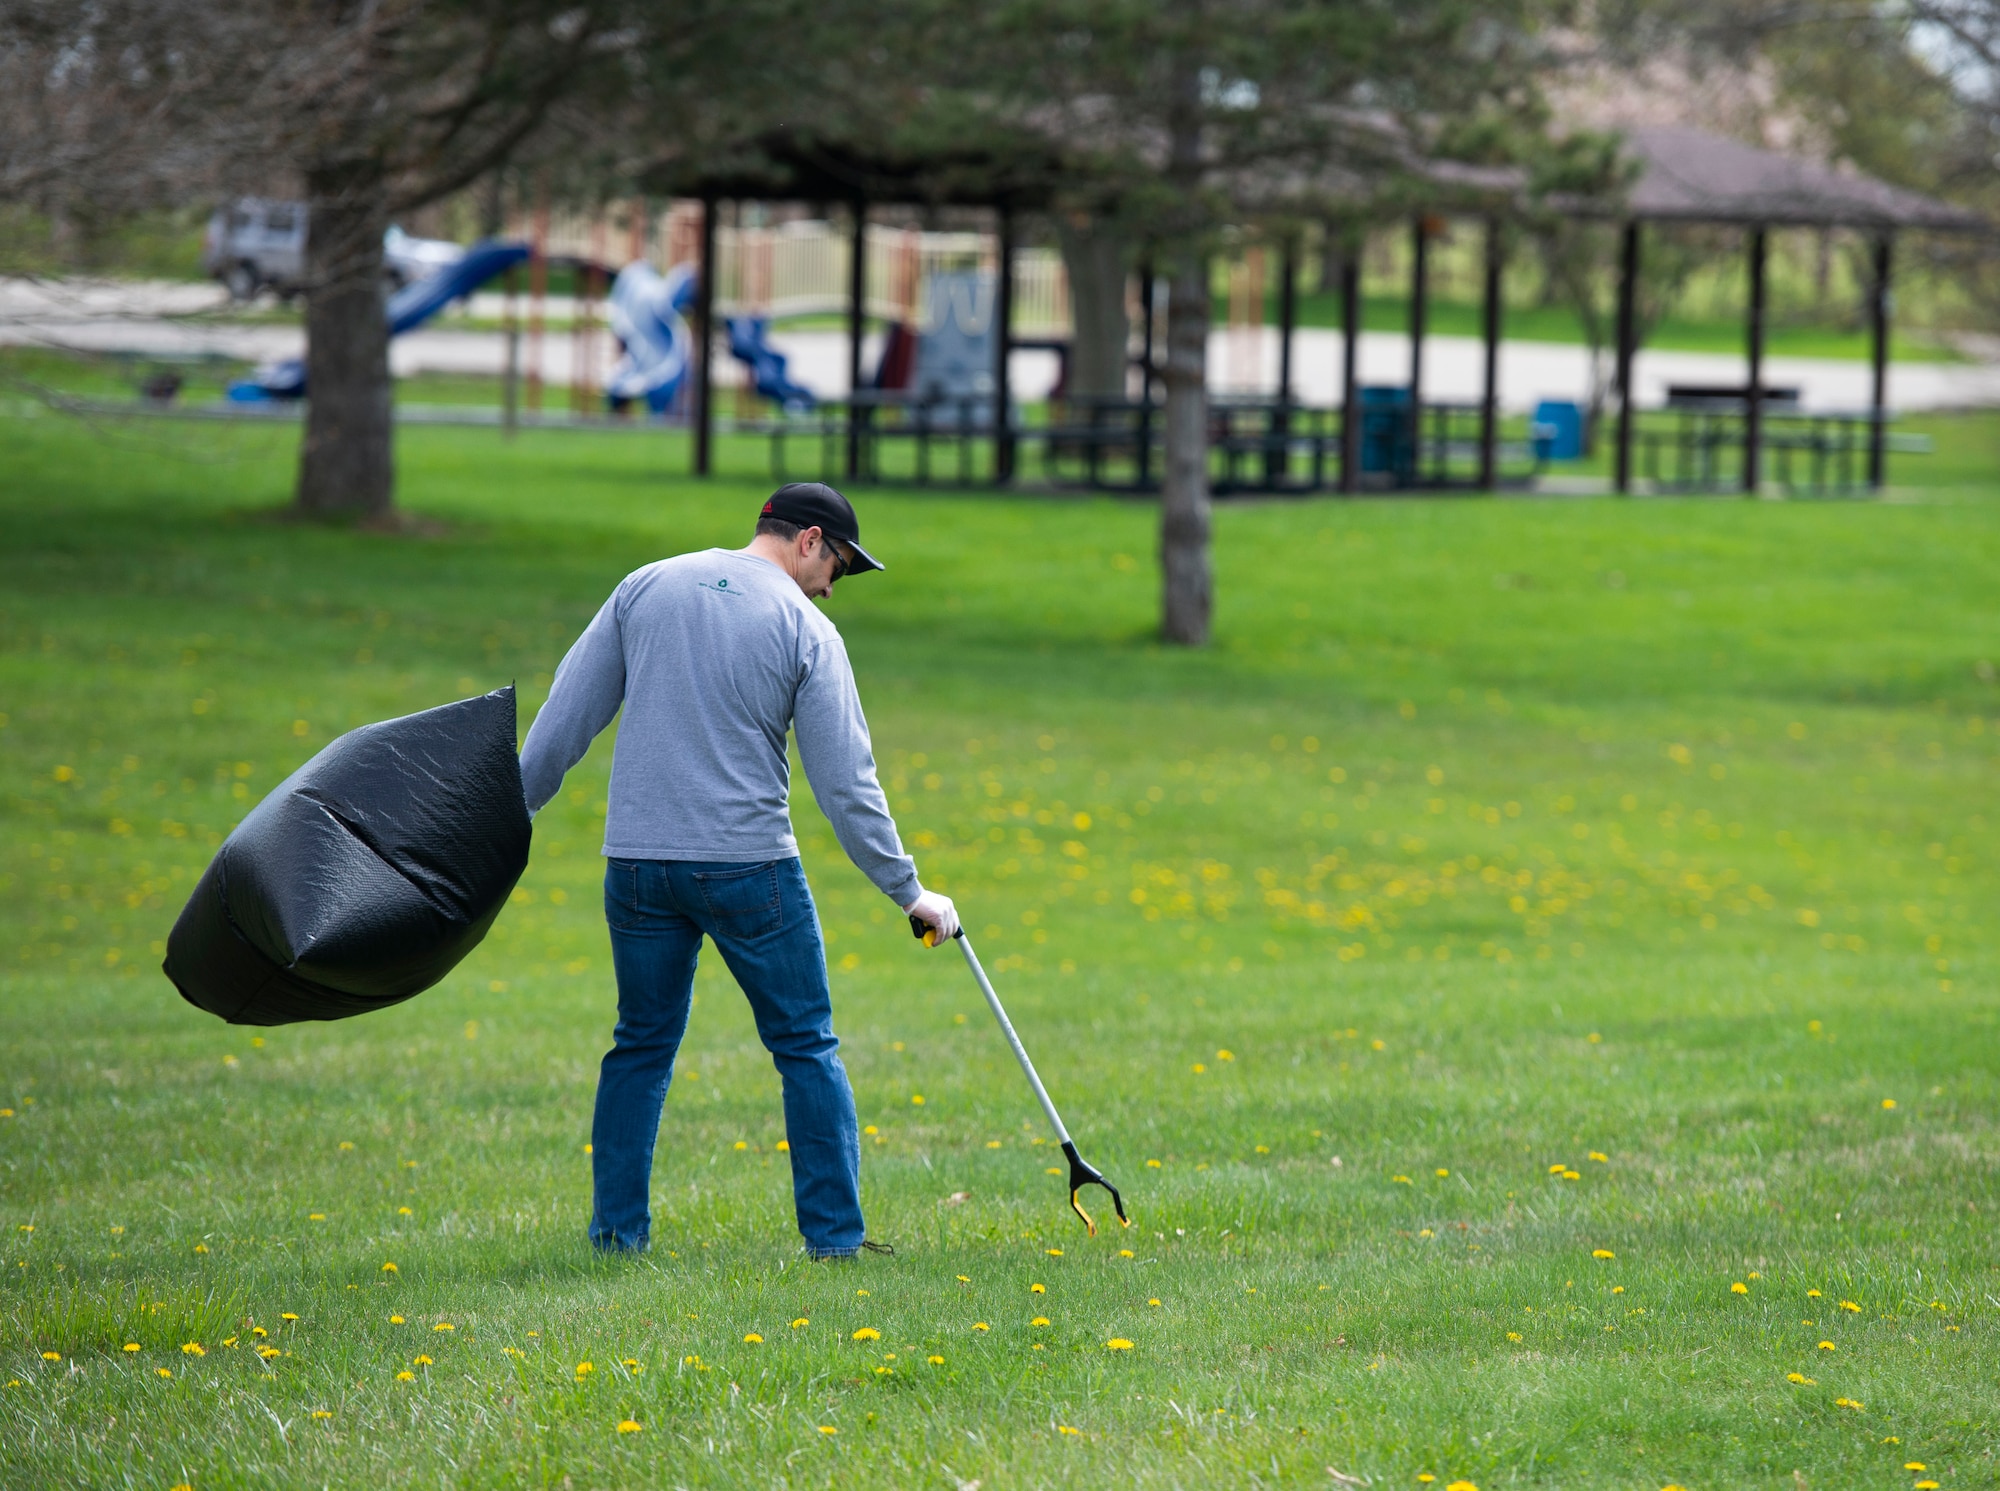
x=1080 y=1174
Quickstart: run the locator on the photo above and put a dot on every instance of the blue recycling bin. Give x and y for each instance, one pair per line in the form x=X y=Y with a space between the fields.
x=1558 y=430
x=1388 y=435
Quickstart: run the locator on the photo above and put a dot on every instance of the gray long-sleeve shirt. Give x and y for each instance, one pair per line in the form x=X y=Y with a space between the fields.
x=714 y=656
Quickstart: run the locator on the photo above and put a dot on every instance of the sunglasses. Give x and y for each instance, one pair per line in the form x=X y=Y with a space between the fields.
x=841 y=563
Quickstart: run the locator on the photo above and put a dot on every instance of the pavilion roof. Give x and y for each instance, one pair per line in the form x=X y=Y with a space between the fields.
x=1690 y=175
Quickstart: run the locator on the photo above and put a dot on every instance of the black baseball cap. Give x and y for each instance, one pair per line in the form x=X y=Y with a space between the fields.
x=813 y=504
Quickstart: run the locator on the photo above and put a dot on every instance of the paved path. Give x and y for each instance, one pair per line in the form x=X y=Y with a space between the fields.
x=181 y=320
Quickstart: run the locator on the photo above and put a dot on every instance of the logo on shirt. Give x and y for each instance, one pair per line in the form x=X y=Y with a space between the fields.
x=722 y=585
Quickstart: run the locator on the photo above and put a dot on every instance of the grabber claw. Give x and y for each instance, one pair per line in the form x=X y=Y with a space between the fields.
x=1081 y=1175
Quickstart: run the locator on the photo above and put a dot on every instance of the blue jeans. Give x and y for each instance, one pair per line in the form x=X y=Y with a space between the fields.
x=762 y=919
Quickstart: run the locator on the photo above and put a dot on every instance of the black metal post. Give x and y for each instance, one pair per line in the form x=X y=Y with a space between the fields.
x=1420 y=296
x=857 y=327
x=704 y=347
x=1878 y=403
x=1350 y=363
x=1003 y=347
x=1753 y=391
x=1276 y=459
x=1148 y=284
x=1489 y=399
x=1628 y=336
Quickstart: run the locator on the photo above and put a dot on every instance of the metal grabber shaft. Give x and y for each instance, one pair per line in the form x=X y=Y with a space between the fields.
x=1080 y=1173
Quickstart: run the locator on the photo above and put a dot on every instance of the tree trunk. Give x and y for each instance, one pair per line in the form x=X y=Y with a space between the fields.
x=347 y=460
x=1100 y=342
x=1184 y=507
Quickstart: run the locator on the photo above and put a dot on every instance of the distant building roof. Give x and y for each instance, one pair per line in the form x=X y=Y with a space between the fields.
x=1690 y=175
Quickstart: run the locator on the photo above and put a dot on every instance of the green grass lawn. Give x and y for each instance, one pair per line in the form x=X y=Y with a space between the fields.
x=1532 y=977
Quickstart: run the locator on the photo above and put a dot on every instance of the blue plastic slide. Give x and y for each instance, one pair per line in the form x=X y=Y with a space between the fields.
x=748 y=342
x=407 y=309
x=648 y=318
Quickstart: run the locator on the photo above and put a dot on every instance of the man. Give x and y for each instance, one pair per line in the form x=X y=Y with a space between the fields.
x=714 y=656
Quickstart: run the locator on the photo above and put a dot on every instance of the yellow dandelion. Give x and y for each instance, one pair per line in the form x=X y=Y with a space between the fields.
x=1801 y=1379
x=1915 y=1465
x=828 y=1429
x=1602 y=1253
x=1152 y=1164
x=866 y=1333
x=444 y=1325
x=1827 y=1346
x=201 y=1247
x=322 y=1413
x=420 y=1361
x=1513 y=1335
x=1924 y=1486
x=1199 y=1068
x=963 y=1278
x=1888 y=1102
x=980 y=1325
x=1053 y=1170
x=56 y=1356
x=916 y=1099
x=1053 y=1252
x=316 y=1216
x=258 y=1330
x=1851 y=1306
x=629 y=1426
x=162 y=1371
x=1126 y=1253
x=1117 y=1343
x=1739 y=1288
x=1572 y=1175
x=935 y=1361
x=584 y=1369
x=395 y=1320
x=1558 y=1168
x=871 y=1130
x=1441 y=1174
x=1038 y=1289
x=1599 y=1156
x=1225 y=1055
x=753 y=1339
x=267 y=1352
x=1617 y=1288
x=404 y=1211
x=1812 y=1294
x=1461 y=1486
x=861 y=1294
x=130 y=1346
x=801 y=1323
x=1401 y=1180
x=1066 y=1429
x=193 y=1348
x=1039 y=1320
x=288 y=1316
x=885 y=1371
x=406 y=1375
x=1154 y=1303
x=388 y=1268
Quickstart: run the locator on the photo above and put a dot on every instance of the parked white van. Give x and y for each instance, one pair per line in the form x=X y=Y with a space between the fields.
x=255 y=244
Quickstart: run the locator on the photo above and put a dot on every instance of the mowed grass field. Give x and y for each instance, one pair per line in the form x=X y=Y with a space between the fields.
x=1533 y=979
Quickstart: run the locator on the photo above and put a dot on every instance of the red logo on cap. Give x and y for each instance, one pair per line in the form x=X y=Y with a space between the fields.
x=767 y=507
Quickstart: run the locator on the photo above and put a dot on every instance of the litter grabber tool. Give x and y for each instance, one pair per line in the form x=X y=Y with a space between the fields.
x=1080 y=1174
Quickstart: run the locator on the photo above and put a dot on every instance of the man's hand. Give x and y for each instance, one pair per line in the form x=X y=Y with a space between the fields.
x=937 y=913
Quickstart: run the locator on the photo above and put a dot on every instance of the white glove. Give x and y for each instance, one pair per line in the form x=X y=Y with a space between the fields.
x=937 y=913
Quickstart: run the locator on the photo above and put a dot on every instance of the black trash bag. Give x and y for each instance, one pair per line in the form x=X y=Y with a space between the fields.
x=365 y=876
